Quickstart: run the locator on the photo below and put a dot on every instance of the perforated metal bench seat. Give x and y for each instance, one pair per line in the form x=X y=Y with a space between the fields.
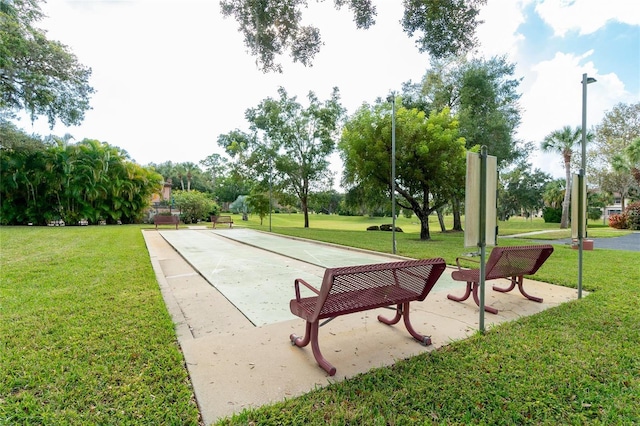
x=504 y=262
x=354 y=301
x=360 y=288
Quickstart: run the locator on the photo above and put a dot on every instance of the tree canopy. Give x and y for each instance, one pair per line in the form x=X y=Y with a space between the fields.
x=430 y=156
x=614 y=155
x=288 y=143
x=521 y=191
x=272 y=28
x=483 y=94
x=39 y=76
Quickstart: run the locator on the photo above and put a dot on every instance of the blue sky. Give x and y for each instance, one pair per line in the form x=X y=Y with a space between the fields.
x=171 y=76
x=616 y=45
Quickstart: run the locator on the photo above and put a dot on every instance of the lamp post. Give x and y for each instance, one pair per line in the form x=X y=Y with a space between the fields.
x=582 y=232
x=270 y=202
x=392 y=99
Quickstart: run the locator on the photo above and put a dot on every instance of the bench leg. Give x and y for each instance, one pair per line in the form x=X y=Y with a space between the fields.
x=311 y=335
x=402 y=310
x=472 y=288
x=519 y=280
x=464 y=297
x=477 y=300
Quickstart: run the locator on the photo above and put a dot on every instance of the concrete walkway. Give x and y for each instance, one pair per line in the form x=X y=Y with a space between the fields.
x=228 y=293
x=629 y=242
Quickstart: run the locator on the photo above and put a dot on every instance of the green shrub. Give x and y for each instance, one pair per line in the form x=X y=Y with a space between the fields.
x=193 y=205
x=215 y=211
x=618 y=221
x=632 y=213
x=594 y=213
x=552 y=215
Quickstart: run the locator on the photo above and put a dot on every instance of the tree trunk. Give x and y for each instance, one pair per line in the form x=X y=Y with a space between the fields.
x=567 y=197
x=424 y=226
x=441 y=220
x=457 y=222
x=305 y=211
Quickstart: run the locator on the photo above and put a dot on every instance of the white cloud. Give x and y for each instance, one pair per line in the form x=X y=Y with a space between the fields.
x=498 y=33
x=554 y=100
x=587 y=16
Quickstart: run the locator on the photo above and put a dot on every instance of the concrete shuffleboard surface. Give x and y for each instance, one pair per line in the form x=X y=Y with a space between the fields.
x=229 y=299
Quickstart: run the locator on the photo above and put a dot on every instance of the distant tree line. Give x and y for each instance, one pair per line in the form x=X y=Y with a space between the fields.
x=281 y=160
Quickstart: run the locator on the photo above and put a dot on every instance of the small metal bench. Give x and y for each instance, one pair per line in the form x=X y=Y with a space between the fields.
x=221 y=219
x=350 y=289
x=504 y=262
x=166 y=220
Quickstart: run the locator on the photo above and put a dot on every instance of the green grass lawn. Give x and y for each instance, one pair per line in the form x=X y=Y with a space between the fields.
x=86 y=339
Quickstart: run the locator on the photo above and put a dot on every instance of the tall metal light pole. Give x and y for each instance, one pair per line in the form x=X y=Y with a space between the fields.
x=270 y=202
x=393 y=170
x=582 y=232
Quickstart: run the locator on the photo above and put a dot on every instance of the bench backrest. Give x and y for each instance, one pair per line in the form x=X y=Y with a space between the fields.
x=165 y=219
x=221 y=219
x=418 y=276
x=517 y=260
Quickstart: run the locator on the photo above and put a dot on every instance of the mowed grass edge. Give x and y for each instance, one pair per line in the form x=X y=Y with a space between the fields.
x=574 y=364
x=85 y=335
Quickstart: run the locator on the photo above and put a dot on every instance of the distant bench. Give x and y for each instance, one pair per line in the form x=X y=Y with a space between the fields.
x=350 y=289
x=221 y=219
x=166 y=220
x=504 y=262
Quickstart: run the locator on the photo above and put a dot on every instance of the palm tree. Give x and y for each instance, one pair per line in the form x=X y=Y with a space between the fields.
x=553 y=194
x=562 y=142
x=189 y=168
x=628 y=161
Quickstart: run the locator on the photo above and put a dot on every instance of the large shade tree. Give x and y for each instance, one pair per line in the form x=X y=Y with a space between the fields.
x=614 y=153
x=607 y=159
x=617 y=130
x=430 y=157
x=483 y=93
x=39 y=76
x=520 y=191
x=272 y=28
x=562 y=142
x=628 y=161
x=288 y=143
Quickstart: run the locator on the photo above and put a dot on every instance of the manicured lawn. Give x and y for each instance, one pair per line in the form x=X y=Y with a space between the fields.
x=86 y=339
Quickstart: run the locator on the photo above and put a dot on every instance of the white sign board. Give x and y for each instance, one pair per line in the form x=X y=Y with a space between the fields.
x=575 y=208
x=472 y=200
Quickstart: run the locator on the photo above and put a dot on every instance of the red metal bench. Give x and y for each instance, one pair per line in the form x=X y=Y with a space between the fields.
x=504 y=262
x=166 y=220
x=350 y=289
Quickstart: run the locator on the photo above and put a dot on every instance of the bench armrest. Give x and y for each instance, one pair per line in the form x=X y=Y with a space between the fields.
x=468 y=259
x=299 y=281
